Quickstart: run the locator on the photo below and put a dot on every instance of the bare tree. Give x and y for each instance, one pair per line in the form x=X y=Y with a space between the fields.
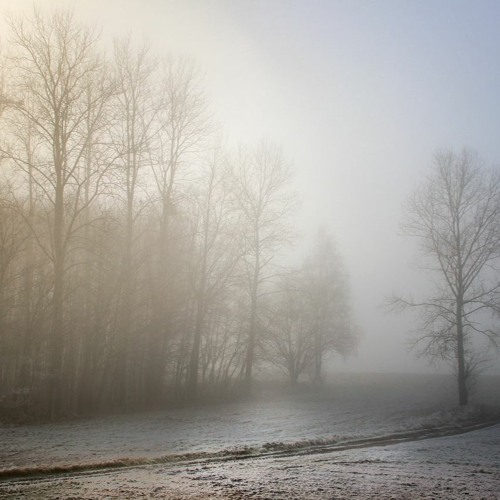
x=288 y=340
x=12 y=242
x=328 y=298
x=455 y=215
x=56 y=62
x=309 y=315
x=261 y=189
x=216 y=254
x=132 y=135
x=183 y=125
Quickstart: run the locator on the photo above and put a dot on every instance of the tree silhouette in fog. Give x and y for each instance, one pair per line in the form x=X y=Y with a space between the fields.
x=455 y=214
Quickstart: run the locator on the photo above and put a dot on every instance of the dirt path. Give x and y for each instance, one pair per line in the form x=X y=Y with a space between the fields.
x=270 y=450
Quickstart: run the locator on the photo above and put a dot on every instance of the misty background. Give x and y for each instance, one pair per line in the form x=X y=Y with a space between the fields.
x=359 y=95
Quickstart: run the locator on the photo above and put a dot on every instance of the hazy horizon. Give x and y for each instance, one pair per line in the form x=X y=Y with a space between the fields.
x=359 y=95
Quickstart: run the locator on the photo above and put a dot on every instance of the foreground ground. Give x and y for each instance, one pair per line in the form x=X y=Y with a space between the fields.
x=341 y=442
x=461 y=466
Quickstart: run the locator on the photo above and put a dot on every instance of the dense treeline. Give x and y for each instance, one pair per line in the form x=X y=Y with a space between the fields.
x=138 y=259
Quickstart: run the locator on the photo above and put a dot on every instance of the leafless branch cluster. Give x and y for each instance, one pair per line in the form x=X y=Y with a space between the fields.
x=456 y=217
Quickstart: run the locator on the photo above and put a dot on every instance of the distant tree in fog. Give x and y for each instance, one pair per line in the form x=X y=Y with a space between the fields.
x=288 y=338
x=309 y=314
x=455 y=214
x=327 y=292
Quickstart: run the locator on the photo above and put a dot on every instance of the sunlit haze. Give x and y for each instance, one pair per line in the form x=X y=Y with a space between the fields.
x=359 y=95
x=249 y=249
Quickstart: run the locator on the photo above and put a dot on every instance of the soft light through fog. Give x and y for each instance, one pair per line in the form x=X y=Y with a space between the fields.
x=359 y=95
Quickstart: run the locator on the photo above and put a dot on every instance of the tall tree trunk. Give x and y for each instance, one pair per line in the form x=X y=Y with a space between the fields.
x=123 y=373
x=463 y=398
x=158 y=336
x=194 y=358
x=252 y=330
x=28 y=347
x=57 y=351
x=318 y=358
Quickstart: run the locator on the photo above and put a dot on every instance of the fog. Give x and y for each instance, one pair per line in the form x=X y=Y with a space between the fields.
x=359 y=95
x=355 y=97
x=222 y=225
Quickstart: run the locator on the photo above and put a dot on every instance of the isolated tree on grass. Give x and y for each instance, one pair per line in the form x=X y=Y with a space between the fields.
x=455 y=214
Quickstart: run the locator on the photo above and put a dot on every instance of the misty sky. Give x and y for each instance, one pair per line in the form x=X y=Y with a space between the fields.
x=359 y=94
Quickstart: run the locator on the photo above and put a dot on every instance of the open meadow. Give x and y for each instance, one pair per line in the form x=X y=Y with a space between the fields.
x=359 y=436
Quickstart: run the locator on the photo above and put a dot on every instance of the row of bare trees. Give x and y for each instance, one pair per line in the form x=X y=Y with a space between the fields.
x=138 y=261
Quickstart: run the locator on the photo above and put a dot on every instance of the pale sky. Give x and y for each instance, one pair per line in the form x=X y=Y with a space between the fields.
x=359 y=94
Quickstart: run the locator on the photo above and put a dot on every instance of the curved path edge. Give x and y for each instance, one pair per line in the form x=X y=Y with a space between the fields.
x=309 y=447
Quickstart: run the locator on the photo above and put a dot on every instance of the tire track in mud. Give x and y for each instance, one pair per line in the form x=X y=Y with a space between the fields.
x=268 y=450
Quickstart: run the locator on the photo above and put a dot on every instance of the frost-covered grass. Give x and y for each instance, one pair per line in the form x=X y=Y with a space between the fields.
x=350 y=408
x=358 y=437
x=460 y=466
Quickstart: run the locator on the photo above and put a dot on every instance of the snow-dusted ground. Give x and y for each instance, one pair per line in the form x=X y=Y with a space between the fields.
x=354 y=407
x=461 y=466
